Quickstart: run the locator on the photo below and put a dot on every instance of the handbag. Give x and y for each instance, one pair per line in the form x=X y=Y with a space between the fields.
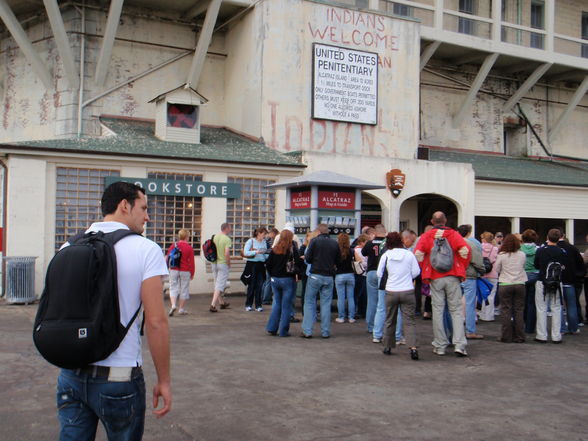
x=358 y=268
x=247 y=273
x=384 y=278
x=291 y=263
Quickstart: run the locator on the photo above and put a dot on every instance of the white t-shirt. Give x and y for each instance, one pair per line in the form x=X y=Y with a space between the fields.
x=137 y=259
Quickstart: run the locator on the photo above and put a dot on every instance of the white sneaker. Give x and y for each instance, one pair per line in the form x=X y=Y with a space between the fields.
x=461 y=353
x=438 y=351
x=260 y=309
x=340 y=320
x=376 y=340
x=401 y=342
x=182 y=311
x=248 y=308
x=351 y=320
x=171 y=311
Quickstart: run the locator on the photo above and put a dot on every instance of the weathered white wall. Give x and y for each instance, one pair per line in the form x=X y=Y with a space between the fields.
x=526 y=200
x=27 y=212
x=482 y=129
x=287 y=79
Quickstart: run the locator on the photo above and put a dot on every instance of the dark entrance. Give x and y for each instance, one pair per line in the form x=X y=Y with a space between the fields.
x=493 y=224
x=429 y=203
x=371 y=211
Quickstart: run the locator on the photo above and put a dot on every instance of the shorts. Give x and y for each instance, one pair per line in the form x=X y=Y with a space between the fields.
x=220 y=272
x=179 y=284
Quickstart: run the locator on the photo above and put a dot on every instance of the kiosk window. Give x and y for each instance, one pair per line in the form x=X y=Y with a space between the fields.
x=255 y=208
x=169 y=214
x=77 y=201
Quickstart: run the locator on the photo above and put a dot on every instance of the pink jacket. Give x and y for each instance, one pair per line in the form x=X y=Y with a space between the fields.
x=491 y=252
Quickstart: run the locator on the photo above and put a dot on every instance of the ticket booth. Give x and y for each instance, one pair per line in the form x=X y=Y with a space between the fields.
x=324 y=197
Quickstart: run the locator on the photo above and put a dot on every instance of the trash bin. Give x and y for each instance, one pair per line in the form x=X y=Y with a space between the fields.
x=20 y=279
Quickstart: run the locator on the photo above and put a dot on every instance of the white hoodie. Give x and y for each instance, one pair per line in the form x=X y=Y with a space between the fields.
x=402 y=269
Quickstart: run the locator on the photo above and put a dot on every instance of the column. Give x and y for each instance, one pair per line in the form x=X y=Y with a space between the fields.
x=549 y=25
x=515 y=225
x=570 y=230
x=357 y=212
x=313 y=207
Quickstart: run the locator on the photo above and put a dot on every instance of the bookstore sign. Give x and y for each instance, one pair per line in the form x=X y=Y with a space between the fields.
x=169 y=187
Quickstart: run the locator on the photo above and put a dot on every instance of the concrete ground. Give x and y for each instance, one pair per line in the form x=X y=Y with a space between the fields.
x=232 y=381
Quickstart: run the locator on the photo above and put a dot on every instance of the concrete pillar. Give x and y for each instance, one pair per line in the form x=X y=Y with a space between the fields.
x=570 y=230
x=313 y=207
x=515 y=225
x=357 y=213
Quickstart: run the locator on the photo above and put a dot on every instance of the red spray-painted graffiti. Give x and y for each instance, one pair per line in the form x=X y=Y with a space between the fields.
x=352 y=28
x=331 y=136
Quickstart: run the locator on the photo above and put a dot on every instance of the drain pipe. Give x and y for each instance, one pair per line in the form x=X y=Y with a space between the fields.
x=82 y=67
x=4 y=217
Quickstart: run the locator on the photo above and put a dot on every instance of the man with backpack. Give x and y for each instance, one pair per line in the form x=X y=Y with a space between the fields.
x=180 y=260
x=444 y=256
x=221 y=267
x=551 y=261
x=114 y=386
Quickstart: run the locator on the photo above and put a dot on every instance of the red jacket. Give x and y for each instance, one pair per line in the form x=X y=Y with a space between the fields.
x=187 y=260
x=461 y=253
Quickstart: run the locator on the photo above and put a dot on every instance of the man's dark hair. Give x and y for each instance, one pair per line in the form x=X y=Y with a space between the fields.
x=464 y=229
x=115 y=193
x=553 y=235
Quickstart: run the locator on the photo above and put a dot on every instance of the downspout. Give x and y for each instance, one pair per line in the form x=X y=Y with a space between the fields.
x=4 y=217
x=82 y=66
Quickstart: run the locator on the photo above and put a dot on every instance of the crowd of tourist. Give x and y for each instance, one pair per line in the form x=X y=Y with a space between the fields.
x=383 y=277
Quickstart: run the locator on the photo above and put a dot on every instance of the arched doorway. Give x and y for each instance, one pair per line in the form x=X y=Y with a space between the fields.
x=371 y=210
x=416 y=212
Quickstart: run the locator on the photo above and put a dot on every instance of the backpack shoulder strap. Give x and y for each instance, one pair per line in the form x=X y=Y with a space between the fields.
x=117 y=235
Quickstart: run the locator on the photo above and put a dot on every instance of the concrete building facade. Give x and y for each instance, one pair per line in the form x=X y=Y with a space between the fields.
x=479 y=105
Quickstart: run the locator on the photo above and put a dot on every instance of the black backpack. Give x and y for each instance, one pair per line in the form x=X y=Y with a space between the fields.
x=487 y=265
x=209 y=249
x=552 y=281
x=78 y=320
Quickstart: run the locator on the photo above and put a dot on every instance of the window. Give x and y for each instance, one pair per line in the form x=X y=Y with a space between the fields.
x=402 y=10
x=255 y=208
x=169 y=214
x=585 y=34
x=466 y=25
x=77 y=201
x=537 y=22
x=182 y=116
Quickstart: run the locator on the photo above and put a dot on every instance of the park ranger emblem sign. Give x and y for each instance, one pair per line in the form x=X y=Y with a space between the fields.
x=395 y=180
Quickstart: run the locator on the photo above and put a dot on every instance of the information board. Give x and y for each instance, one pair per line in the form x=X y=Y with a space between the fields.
x=344 y=84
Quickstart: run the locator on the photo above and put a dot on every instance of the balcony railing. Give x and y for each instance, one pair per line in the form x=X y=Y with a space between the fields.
x=488 y=24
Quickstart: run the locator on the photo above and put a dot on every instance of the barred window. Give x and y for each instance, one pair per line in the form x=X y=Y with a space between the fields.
x=255 y=208
x=169 y=214
x=77 y=202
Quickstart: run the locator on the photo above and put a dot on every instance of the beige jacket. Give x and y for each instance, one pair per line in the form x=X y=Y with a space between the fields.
x=511 y=268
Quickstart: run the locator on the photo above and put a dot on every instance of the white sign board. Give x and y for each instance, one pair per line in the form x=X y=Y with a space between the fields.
x=345 y=84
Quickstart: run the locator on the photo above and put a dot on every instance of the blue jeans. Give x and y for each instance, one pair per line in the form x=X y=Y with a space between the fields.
x=267 y=290
x=470 y=286
x=380 y=318
x=82 y=400
x=315 y=284
x=372 y=299
x=284 y=289
x=254 y=290
x=345 y=284
x=530 y=314
x=569 y=296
